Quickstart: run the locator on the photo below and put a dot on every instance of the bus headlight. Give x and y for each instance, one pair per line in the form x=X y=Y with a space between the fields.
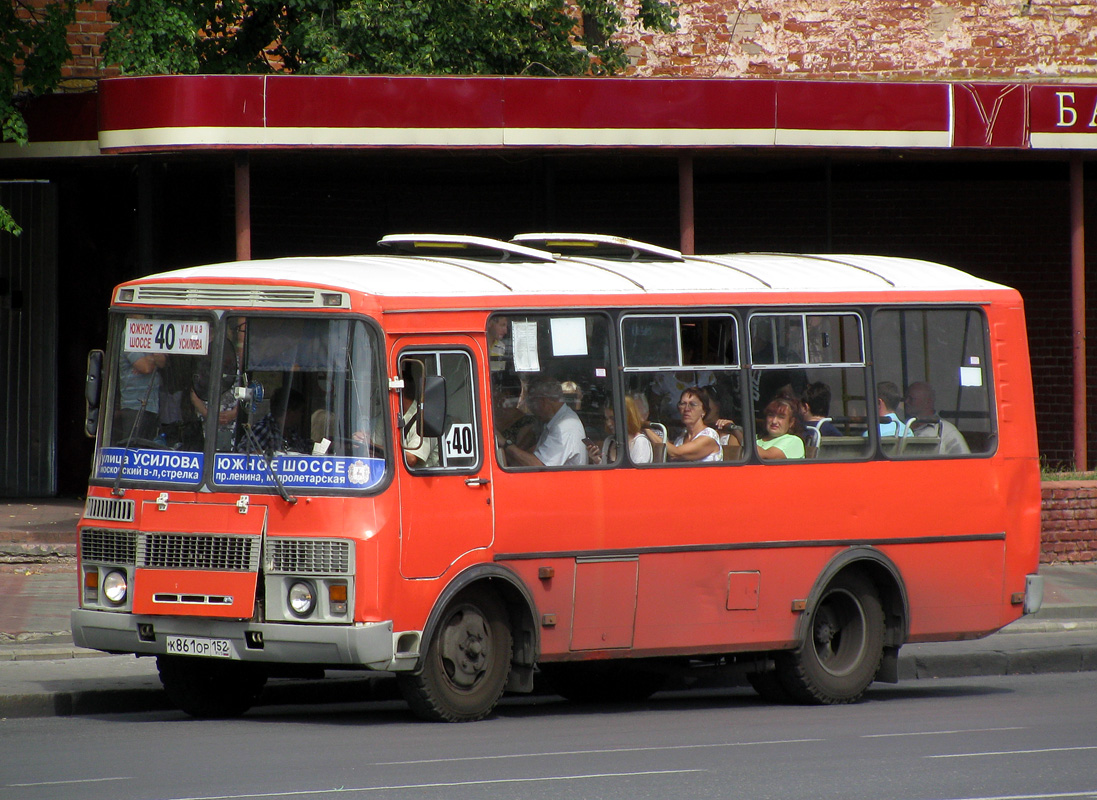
x=114 y=587
x=301 y=598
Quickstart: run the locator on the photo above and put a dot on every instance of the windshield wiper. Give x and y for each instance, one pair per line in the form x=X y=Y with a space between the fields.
x=254 y=448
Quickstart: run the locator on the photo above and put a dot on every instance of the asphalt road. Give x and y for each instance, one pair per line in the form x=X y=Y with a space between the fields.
x=1003 y=737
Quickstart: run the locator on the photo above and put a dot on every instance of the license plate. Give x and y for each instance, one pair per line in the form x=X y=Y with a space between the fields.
x=198 y=646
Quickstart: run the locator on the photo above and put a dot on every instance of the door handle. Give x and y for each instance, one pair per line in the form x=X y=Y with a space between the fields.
x=476 y=481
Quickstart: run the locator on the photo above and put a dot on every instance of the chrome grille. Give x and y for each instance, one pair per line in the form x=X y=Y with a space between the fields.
x=308 y=556
x=239 y=296
x=199 y=551
x=113 y=509
x=115 y=547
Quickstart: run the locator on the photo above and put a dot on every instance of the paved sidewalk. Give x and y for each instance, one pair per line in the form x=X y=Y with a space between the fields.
x=43 y=674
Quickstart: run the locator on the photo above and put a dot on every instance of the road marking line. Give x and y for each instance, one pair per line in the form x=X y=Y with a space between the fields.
x=61 y=783
x=1048 y=796
x=940 y=733
x=395 y=787
x=1016 y=753
x=591 y=752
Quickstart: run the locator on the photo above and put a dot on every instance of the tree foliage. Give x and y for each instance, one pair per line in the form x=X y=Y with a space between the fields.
x=347 y=37
x=33 y=48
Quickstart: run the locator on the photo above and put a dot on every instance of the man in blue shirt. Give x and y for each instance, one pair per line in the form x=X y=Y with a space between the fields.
x=888 y=398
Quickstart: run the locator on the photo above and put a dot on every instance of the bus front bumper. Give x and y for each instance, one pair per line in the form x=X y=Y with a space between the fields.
x=370 y=645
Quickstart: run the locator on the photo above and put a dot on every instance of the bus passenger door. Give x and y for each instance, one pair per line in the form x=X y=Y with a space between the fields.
x=445 y=480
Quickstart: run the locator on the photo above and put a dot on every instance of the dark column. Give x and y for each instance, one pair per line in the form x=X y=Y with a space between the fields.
x=1078 y=309
x=685 y=203
x=243 y=207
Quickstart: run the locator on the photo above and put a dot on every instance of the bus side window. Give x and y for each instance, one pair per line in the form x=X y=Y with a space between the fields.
x=552 y=401
x=937 y=359
x=664 y=355
x=818 y=360
x=457 y=446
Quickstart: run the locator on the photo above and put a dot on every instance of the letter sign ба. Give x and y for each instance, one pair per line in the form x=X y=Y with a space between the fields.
x=1067 y=115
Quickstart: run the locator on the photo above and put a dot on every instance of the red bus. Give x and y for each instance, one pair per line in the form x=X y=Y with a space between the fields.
x=478 y=464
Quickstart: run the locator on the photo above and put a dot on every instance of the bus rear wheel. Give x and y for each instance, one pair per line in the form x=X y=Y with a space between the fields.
x=844 y=646
x=467 y=662
x=210 y=689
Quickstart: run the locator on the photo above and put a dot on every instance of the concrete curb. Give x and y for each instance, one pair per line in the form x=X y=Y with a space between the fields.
x=142 y=699
x=988 y=663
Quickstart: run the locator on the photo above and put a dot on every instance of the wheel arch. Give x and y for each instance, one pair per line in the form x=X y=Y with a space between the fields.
x=521 y=614
x=885 y=577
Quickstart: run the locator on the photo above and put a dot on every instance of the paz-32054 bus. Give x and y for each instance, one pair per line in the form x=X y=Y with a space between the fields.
x=475 y=464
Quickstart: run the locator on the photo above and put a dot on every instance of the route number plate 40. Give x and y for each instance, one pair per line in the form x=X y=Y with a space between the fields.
x=198 y=646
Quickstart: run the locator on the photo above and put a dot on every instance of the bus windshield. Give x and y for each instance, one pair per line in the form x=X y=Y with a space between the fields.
x=243 y=401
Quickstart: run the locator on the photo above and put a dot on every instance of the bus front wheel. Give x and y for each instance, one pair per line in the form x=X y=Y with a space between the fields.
x=466 y=664
x=844 y=646
x=209 y=689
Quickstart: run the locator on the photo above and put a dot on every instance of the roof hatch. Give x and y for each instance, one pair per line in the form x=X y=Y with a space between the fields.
x=474 y=247
x=597 y=245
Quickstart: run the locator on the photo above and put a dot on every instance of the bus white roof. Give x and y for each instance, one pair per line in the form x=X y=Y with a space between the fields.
x=412 y=275
x=444 y=276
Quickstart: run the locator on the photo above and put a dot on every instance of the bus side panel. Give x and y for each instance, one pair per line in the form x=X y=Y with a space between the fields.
x=724 y=599
x=957 y=514
x=954 y=590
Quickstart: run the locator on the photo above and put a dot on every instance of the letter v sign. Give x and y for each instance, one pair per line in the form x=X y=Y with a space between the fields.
x=990 y=115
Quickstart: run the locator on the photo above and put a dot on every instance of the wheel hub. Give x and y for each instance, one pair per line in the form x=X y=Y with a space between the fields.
x=466 y=648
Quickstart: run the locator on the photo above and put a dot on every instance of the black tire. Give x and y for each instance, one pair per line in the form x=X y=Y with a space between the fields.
x=604 y=681
x=467 y=662
x=844 y=645
x=209 y=689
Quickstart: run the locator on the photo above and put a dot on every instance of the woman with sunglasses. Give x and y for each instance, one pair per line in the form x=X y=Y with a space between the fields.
x=698 y=442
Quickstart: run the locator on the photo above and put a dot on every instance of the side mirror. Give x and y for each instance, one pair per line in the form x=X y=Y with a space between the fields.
x=433 y=405
x=92 y=389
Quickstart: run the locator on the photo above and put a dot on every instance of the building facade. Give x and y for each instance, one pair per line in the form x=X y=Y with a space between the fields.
x=925 y=129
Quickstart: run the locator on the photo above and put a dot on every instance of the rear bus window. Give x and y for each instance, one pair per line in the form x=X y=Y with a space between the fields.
x=935 y=360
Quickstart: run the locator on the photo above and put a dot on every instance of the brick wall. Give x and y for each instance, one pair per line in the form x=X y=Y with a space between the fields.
x=85 y=38
x=896 y=39
x=1069 y=522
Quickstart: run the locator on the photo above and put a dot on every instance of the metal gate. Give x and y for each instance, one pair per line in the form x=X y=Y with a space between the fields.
x=28 y=342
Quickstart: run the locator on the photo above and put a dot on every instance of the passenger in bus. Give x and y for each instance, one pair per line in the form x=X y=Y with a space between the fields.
x=815 y=410
x=888 y=398
x=698 y=442
x=779 y=438
x=561 y=441
x=227 y=405
x=643 y=408
x=512 y=418
x=920 y=403
x=139 y=401
x=639 y=446
x=499 y=338
x=606 y=452
x=280 y=429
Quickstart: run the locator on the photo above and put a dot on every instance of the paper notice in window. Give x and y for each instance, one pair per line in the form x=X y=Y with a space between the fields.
x=569 y=336
x=971 y=376
x=523 y=337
